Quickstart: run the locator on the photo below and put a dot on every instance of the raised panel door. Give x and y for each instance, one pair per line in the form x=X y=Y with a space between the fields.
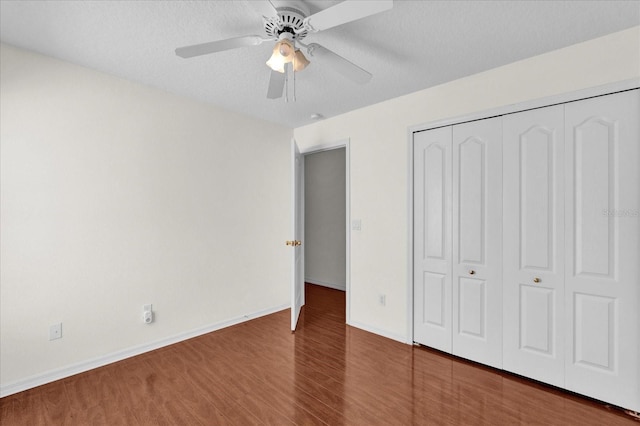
x=602 y=275
x=533 y=244
x=297 y=255
x=477 y=241
x=432 y=238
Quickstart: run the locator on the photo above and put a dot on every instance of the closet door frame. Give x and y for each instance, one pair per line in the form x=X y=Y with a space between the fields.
x=495 y=112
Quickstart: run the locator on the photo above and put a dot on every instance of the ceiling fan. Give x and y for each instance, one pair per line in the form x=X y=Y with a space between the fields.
x=288 y=23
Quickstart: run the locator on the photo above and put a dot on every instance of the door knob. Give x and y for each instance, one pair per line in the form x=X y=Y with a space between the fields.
x=472 y=272
x=536 y=280
x=293 y=243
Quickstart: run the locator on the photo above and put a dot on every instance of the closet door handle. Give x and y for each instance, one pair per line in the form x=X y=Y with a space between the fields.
x=472 y=272
x=536 y=280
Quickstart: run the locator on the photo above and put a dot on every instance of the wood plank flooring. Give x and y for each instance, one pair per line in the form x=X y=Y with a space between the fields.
x=327 y=373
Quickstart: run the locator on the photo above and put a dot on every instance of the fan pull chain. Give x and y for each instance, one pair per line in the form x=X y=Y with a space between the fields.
x=294 y=83
x=286 y=83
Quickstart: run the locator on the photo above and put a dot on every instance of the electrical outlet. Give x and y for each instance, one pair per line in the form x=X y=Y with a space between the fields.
x=147 y=314
x=55 y=331
x=382 y=299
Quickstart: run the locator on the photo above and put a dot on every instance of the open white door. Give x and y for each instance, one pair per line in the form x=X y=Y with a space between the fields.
x=297 y=256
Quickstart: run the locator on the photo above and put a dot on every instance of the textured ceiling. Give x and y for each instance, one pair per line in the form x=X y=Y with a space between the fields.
x=417 y=44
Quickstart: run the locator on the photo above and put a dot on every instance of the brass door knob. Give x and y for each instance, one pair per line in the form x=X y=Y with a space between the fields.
x=536 y=280
x=472 y=272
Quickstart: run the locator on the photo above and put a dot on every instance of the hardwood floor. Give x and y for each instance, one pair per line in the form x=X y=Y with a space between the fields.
x=259 y=372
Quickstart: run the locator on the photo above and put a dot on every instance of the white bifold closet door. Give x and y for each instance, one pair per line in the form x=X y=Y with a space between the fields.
x=477 y=241
x=527 y=244
x=457 y=240
x=602 y=275
x=432 y=238
x=533 y=244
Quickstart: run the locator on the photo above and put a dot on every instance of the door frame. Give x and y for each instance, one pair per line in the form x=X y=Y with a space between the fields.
x=572 y=96
x=328 y=146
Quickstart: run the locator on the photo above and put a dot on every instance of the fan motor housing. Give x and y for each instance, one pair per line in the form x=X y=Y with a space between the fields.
x=290 y=19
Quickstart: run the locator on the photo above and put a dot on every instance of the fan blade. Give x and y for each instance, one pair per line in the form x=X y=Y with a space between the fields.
x=347 y=11
x=276 y=85
x=264 y=8
x=218 y=46
x=339 y=64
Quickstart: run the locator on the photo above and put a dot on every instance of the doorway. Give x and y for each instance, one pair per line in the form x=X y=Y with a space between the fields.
x=327 y=217
x=324 y=219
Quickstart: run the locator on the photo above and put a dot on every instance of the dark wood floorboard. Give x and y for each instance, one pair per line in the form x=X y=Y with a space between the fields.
x=326 y=373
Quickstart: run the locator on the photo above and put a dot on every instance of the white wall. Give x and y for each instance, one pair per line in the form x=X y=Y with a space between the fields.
x=379 y=157
x=325 y=216
x=115 y=195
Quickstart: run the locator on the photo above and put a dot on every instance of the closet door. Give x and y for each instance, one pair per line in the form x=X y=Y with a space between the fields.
x=602 y=275
x=533 y=244
x=477 y=241
x=432 y=238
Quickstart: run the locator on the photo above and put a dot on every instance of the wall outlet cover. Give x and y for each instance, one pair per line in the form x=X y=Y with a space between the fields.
x=55 y=331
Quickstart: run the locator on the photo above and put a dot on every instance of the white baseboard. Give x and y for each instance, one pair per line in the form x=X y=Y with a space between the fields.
x=325 y=284
x=389 y=335
x=81 y=367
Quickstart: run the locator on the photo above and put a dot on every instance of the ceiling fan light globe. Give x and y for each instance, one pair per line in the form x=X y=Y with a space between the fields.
x=286 y=50
x=299 y=61
x=276 y=63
